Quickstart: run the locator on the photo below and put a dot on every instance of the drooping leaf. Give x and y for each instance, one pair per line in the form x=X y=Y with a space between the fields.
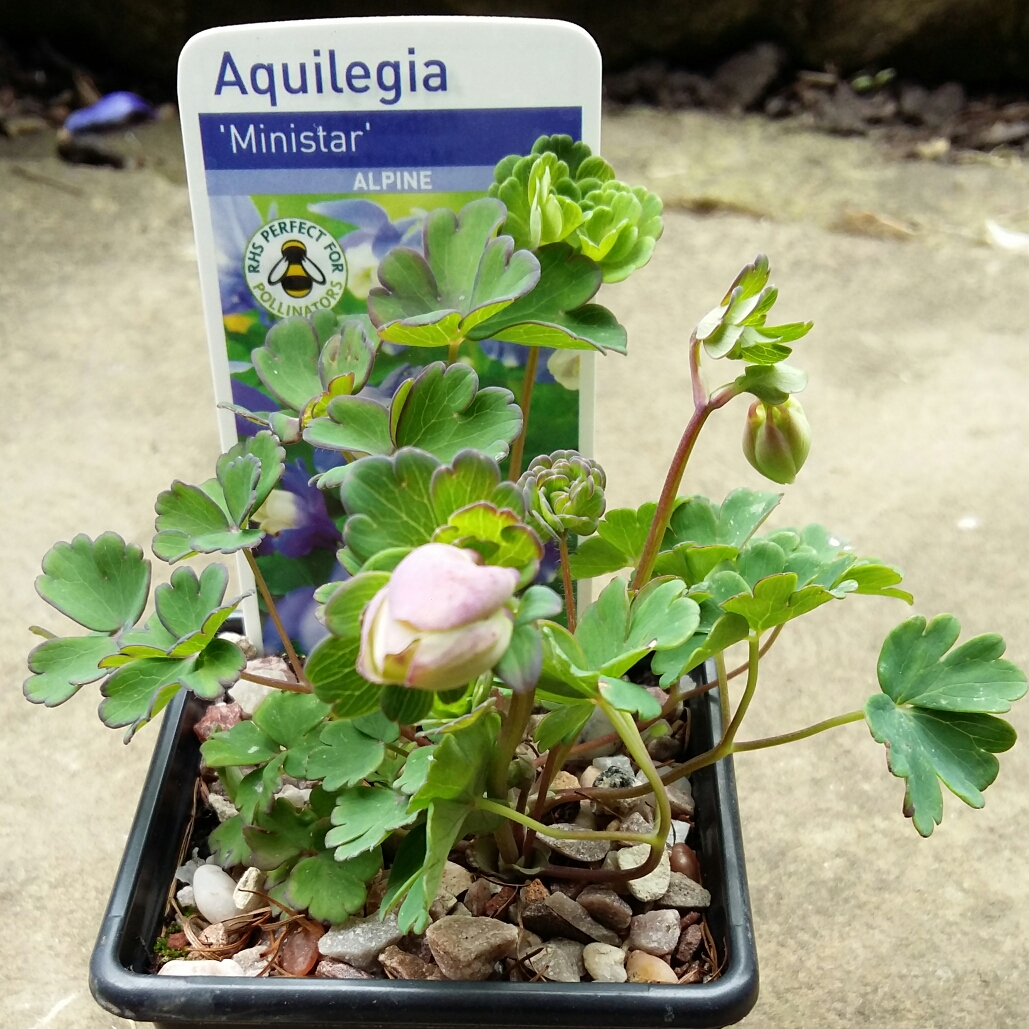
x=466 y=275
x=363 y=817
x=446 y=412
x=349 y=352
x=62 y=667
x=772 y=383
x=562 y=725
x=256 y=790
x=213 y=669
x=406 y=868
x=415 y=771
x=102 y=584
x=458 y=766
x=442 y=831
x=627 y=696
x=538 y=602
x=520 y=665
x=227 y=843
x=557 y=313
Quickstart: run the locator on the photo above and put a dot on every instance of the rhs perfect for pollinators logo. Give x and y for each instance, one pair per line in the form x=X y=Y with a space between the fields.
x=294 y=267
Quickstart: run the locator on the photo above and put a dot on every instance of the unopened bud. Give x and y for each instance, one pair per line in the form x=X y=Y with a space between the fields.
x=777 y=439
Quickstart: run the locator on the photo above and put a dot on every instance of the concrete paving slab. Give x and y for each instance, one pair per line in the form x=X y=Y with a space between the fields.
x=919 y=379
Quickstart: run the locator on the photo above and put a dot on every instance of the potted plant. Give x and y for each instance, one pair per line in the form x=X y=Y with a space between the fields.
x=473 y=785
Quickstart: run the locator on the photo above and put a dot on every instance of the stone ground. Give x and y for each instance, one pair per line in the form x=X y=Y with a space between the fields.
x=918 y=404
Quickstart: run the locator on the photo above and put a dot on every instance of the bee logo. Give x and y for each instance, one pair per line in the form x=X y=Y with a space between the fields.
x=295 y=271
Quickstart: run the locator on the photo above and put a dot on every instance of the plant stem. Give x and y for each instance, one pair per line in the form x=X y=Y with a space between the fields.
x=723 y=690
x=524 y=402
x=511 y=734
x=765 y=647
x=799 y=734
x=638 y=752
x=561 y=834
x=566 y=578
x=294 y=661
x=279 y=684
x=556 y=757
x=452 y=351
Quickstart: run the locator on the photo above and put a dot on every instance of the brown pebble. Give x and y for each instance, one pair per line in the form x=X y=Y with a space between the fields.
x=478 y=896
x=534 y=891
x=217 y=718
x=689 y=943
x=683 y=859
x=330 y=968
x=499 y=902
x=299 y=953
x=399 y=964
x=606 y=907
x=693 y=974
x=417 y=945
x=690 y=918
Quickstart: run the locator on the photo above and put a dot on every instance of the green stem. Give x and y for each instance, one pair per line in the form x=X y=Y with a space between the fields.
x=765 y=648
x=525 y=403
x=511 y=734
x=723 y=690
x=566 y=578
x=294 y=661
x=561 y=834
x=638 y=752
x=452 y=351
x=556 y=757
x=279 y=684
x=799 y=734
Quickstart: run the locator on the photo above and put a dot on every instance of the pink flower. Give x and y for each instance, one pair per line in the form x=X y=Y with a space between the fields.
x=440 y=622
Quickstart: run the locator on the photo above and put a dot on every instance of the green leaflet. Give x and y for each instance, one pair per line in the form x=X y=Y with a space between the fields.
x=465 y=275
x=62 y=667
x=330 y=670
x=934 y=713
x=101 y=584
x=363 y=817
x=331 y=890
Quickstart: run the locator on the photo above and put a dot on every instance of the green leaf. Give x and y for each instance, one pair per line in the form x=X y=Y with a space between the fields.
x=557 y=313
x=415 y=771
x=772 y=383
x=345 y=758
x=465 y=276
x=459 y=764
x=445 y=412
x=627 y=696
x=915 y=668
x=216 y=667
x=442 y=831
x=243 y=744
x=565 y=671
x=874 y=579
x=287 y=364
x=358 y=424
x=562 y=725
x=672 y=665
x=470 y=477
x=732 y=523
x=519 y=667
x=184 y=604
x=281 y=834
x=330 y=670
x=538 y=602
x=238 y=477
x=497 y=535
x=926 y=747
x=621 y=536
x=266 y=448
x=595 y=556
x=227 y=843
x=137 y=692
x=63 y=666
x=405 y=705
x=388 y=502
x=329 y=890
x=603 y=625
x=378 y=727
x=406 y=868
x=256 y=790
x=350 y=352
x=363 y=817
x=101 y=584
x=661 y=617
x=342 y=614
x=776 y=600
x=286 y=717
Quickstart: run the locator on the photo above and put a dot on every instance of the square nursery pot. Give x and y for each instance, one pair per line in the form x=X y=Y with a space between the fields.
x=121 y=985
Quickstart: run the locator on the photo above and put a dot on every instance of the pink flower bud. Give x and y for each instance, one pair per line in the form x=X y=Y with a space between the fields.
x=777 y=439
x=439 y=622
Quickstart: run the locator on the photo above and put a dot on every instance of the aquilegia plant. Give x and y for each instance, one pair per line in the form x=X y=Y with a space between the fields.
x=455 y=685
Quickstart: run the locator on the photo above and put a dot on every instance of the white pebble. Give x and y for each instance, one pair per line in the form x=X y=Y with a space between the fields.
x=296 y=796
x=179 y=966
x=222 y=806
x=244 y=896
x=651 y=886
x=617 y=761
x=605 y=964
x=213 y=889
x=249 y=695
x=186 y=898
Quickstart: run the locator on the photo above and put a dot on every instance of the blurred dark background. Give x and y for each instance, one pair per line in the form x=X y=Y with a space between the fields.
x=982 y=43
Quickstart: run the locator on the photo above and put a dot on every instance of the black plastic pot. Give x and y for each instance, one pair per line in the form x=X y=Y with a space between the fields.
x=121 y=985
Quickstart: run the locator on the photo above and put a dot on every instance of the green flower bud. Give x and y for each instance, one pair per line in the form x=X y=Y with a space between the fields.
x=564 y=492
x=777 y=439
